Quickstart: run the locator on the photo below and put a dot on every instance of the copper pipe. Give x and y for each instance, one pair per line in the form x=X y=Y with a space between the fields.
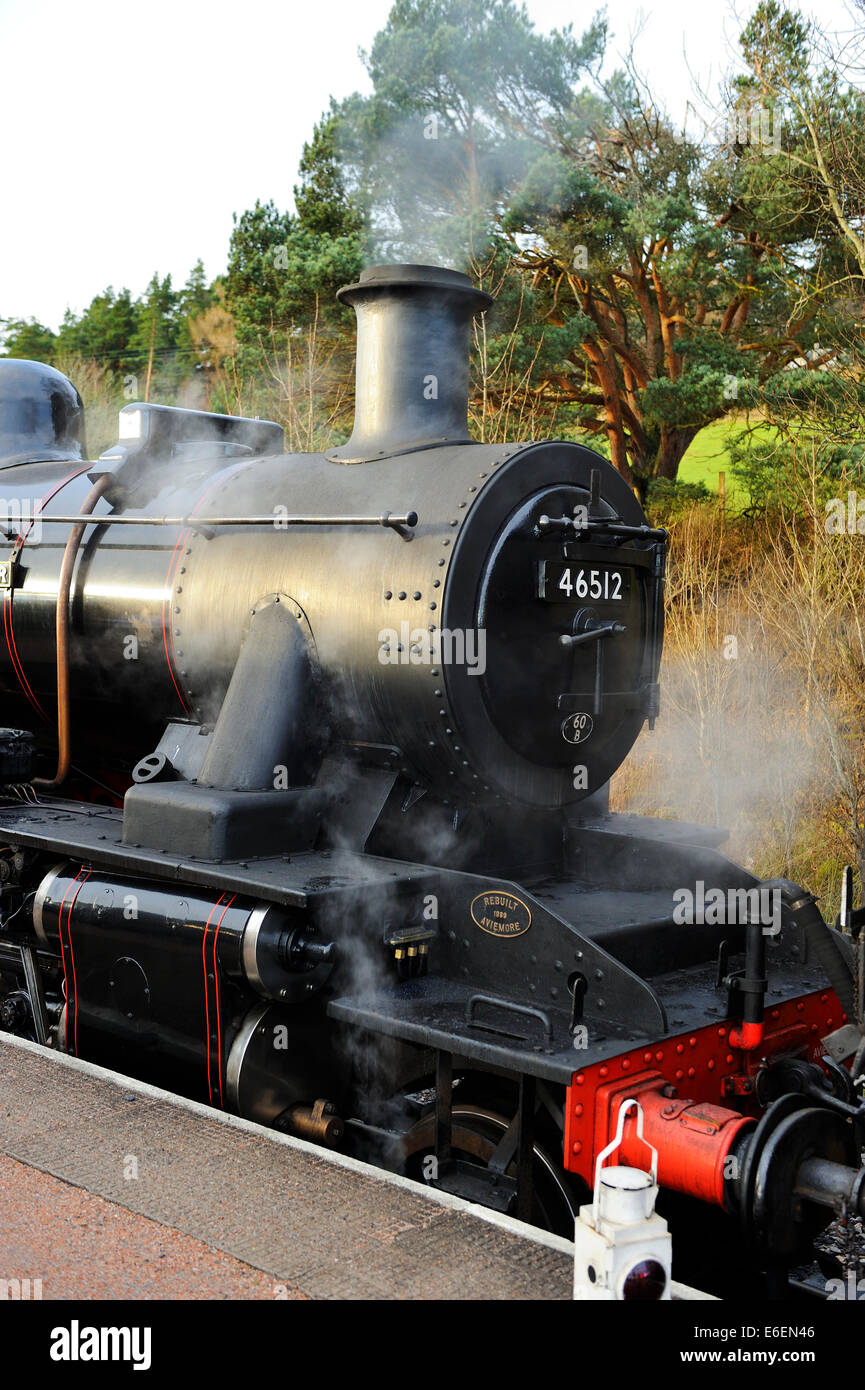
x=67 y=569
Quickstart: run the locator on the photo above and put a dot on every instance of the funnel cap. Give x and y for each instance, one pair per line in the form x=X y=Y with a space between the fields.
x=416 y=277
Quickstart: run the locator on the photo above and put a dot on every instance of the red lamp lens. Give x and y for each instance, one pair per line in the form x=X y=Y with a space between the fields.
x=645 y=1283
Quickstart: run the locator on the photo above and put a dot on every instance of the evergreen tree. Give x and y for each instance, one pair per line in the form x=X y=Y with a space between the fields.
x=28 y=339
x=253 y=281
x=465 y=92
x=153 y=344
x=668 y=279
x=103 y=333
x=196 y=295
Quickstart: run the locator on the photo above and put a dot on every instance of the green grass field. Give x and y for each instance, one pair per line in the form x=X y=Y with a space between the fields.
x=707 y=457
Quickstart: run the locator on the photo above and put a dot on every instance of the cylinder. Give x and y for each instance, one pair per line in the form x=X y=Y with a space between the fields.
x=193 y=989
x=693 y=1140
x=160 y=968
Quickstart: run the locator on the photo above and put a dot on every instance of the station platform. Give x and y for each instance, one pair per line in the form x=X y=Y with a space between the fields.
x=113 y=1189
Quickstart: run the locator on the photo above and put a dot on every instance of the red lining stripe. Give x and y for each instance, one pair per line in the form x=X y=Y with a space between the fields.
x=12 y=649
x=8 y=627
x=19 y=544
x=216 y=984
x=72 y=956
x=69 y=888
x=217 y=904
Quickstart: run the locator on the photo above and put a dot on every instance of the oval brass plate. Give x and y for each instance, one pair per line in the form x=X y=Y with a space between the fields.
x=501 y=914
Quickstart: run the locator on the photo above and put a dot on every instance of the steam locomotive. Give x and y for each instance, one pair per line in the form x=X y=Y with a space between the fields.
x=304 y=809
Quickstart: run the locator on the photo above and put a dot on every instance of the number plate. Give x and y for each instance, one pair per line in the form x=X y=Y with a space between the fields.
x=571 y=582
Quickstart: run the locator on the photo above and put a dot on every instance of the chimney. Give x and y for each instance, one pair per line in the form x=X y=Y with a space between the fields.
x=412 y=378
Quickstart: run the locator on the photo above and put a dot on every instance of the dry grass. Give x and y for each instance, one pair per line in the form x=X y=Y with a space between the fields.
x=298 y=377
x=505 y=403
x=102 y=393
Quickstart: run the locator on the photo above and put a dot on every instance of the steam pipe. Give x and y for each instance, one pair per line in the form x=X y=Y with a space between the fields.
x=752 y=986
x=64 y=731
x=270 y=717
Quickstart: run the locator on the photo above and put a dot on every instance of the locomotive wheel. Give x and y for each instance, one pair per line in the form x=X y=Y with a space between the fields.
x=475 y=1135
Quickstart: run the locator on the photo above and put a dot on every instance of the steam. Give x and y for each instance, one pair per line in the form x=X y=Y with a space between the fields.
x=433 y=192
x=729 y=750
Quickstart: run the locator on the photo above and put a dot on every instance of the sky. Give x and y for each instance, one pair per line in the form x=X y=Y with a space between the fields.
x=132 y=133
